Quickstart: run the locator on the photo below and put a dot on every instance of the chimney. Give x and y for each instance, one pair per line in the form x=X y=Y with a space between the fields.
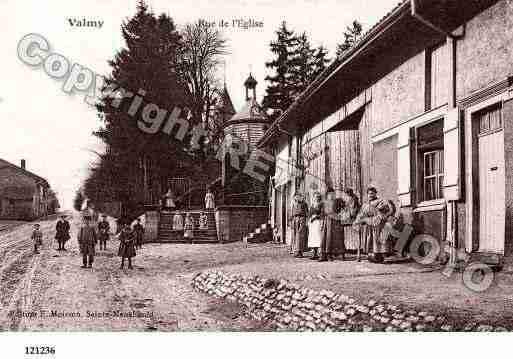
x=23 y=164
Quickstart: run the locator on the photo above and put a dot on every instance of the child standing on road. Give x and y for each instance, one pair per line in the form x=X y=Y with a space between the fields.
x=37 y=237
x=126 y=246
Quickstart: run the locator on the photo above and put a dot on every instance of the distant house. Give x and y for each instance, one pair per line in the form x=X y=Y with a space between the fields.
x=23 y=194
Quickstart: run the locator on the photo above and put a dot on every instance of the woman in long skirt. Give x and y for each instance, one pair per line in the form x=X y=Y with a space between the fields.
x=209 y=200
x=316 y=225
x=372 y=218
x=169 y=199
x=177 y=222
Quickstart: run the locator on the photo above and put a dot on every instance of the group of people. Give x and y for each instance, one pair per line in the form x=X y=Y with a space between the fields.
x=319 y=225
x=169 y=201
x=187 y=225
x=184 y=221
x=89 y=236
x=129 y=240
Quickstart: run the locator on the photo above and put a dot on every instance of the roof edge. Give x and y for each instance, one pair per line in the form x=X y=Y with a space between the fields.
x=26 y=172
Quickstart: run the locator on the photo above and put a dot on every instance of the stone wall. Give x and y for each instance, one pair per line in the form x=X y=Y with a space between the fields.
x=399 y=95
x=23 y=208
x=233 y=222
x=485 y=55
x=289 y=307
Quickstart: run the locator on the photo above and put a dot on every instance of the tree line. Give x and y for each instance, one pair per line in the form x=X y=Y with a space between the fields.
x=296 y=64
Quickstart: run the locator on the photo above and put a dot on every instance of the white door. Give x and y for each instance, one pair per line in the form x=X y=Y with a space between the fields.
x=492 y=191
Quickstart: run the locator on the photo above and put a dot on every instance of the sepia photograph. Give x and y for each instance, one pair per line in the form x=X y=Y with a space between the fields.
x=256 y=167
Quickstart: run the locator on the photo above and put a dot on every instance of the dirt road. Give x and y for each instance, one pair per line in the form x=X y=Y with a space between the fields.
x=50 y=291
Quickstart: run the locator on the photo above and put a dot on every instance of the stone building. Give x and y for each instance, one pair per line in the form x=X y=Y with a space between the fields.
x=243 y=131
x=23 y=194
x=419 y=108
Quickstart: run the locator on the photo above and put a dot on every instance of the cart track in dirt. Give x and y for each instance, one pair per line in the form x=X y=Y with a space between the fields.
x=18 y=266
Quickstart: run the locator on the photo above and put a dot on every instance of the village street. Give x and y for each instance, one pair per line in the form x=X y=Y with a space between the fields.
x=54 y=281
x=159 y=287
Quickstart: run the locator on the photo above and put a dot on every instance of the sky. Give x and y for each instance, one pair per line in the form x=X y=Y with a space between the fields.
x=52 y=130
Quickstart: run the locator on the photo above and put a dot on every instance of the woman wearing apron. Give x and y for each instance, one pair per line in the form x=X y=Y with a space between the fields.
x=316 y=225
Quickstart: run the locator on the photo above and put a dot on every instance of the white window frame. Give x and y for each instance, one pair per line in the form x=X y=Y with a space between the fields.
x=432 y=204
x=437 y=174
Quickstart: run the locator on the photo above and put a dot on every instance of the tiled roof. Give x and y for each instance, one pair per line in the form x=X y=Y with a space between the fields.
x=4 y=163
x=225 y=105
x=250 y=112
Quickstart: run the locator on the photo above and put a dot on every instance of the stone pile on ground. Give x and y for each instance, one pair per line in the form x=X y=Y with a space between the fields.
x=290 y=307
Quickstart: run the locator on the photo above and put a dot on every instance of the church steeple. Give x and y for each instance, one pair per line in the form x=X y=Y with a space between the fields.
x=225 y=109
x=250 y=84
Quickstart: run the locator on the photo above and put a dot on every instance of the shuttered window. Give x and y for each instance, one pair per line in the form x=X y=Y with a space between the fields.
x=437 y=76
x=430 y=157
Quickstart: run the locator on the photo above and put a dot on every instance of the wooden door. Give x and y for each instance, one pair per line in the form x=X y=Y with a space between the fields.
x=492 y=188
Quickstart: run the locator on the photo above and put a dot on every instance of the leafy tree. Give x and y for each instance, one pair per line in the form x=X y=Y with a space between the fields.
x=351 y=37
x=78 y=200
x=53 y=201
x=281 y=89
x=201 y=54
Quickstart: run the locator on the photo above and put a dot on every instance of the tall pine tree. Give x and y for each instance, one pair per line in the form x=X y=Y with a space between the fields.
x=351 y=37
x=295 y=66
x=281 y=89
x=320 y=61
x=307 y=63
x=147 y=67
x=302 y=65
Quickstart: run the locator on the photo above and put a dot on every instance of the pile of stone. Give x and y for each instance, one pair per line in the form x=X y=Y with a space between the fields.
x=290 y=307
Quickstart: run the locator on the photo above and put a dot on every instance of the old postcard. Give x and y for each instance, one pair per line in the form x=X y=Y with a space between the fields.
x=334 y=166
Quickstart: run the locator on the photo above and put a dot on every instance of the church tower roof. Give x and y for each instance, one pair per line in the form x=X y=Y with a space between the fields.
x=225 y=105
x=250 y=123
x=224 y=109
x=251 y=111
